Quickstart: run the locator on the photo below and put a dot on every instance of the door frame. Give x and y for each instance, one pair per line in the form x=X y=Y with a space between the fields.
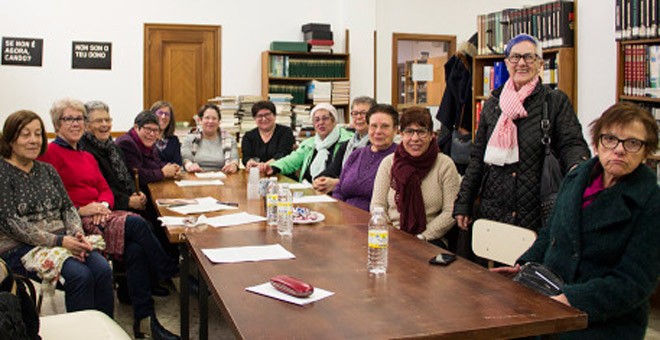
x=449 y=39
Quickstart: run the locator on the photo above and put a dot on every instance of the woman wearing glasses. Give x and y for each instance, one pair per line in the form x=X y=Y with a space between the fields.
x=268 y=141
x=329 y=178
x=210 y=150
x=169 y=147
x=602 y=237
x=127 y=236
x=316 y=153
x=507 y=156
x=417 y=185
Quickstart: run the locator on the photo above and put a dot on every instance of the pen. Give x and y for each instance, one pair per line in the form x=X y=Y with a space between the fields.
x=233 y=204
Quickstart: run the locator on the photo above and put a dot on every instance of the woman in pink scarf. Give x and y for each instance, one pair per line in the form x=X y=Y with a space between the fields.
x=507 y=155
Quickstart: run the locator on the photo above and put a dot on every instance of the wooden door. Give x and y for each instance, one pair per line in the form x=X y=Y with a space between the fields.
x=182 y=66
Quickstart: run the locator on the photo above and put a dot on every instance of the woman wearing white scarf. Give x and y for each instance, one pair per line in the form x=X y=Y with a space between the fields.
x=314 y=154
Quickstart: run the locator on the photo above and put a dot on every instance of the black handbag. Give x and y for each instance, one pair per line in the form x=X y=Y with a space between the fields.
x=460 y=144
x=538 y=277
x=551 y=175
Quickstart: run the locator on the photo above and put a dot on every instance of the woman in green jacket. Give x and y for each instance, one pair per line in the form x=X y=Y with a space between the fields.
x=316 y=153
x=602 y=237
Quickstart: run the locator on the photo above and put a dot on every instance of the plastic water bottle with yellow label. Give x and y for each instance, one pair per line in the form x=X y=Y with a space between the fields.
x=284 y=210
x=378 y=241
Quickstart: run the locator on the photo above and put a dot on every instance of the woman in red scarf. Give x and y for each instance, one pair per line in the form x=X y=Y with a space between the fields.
x=417 y=185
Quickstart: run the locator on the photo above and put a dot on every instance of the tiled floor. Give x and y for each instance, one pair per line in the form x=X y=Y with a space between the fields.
x=167 y=310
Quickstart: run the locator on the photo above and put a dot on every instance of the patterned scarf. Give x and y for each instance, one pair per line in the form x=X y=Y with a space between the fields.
x=111 y=150
x=353 y=144
x=322 y=151
x=502 y=146
x=407 y=175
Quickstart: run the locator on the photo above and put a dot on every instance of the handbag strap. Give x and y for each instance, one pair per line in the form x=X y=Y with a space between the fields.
x=545 y=126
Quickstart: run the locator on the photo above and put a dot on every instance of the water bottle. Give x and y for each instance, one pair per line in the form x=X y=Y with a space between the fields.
x=271 y=201
x=378 y=239
x=284 y=210
x=253 y=184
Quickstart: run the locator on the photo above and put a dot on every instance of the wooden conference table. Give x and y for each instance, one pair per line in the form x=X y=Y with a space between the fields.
x=414 y=299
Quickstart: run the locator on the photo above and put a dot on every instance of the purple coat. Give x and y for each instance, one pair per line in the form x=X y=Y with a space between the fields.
x=356 y=182
x=138 y=156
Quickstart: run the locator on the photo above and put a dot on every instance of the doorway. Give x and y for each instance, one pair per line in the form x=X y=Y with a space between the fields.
x=182 y=66
x=418 y=73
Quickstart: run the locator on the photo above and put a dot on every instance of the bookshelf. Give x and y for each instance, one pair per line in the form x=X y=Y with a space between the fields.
x=295 y=71
x=634 y=79
x=558 y=41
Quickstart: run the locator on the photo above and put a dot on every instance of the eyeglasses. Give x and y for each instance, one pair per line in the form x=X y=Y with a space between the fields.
x=163 y=113
x=321 y=119
x=102 y=120
x=528 y=58
x=612 y=142
x=409 y=132
x=71 y=120
x=263 y=115
x=150 y=130
x=358 y=113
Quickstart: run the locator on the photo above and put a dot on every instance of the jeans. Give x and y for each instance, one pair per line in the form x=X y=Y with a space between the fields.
x=142 y=255
x=88 y=285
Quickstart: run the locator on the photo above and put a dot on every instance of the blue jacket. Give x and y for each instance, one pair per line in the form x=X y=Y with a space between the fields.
x=608 y=253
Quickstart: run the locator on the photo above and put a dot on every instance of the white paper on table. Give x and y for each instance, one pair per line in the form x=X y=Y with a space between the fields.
x=211 y=175
x=313 y=199
x=183 y=221
x=248 y=253
x=196 y=183
x=203 y=205
x=268 y=290
x=233 y=219
x=300 y=186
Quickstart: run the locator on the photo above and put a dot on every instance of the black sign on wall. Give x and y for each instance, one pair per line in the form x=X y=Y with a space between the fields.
x=91 y=55
x=22 y=51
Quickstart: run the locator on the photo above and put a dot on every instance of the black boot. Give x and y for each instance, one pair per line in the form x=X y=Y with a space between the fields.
x=156 y=330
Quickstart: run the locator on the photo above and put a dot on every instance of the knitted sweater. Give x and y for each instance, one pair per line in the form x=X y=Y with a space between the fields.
x=356 y=183
x=80 y=174
x=439 y=189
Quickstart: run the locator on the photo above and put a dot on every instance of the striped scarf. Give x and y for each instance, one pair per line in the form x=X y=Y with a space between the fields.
x=502 y=146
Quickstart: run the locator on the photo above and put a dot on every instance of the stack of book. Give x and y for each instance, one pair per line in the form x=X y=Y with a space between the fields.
x=341 y=92
x=282 y=103
x=552 y=23
x=319 y=37
x=229 y=119
x=302 y=118
x=320 y=92
x=298 y=92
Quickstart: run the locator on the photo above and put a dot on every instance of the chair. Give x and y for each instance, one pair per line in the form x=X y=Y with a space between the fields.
x=500 y=242
x=81 y=325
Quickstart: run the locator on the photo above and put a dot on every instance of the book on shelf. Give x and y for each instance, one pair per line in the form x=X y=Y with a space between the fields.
x=641 y=70
x=289 y=46
x=320 y=49
x=552 y=23
x=315 y=27
x=487 y=80
x=322 y=35
x=500 y=74
x=320 y=42
x=636 y=19
x=320 y=92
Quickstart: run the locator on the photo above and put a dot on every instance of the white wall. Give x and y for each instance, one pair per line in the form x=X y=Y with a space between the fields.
x=247 y=29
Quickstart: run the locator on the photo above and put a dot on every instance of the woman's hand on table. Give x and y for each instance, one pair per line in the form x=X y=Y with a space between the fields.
x=171 y=170
x=324 y=184
x=230 y=168
x=192 y=167
x=137 y=201
x=507 y=271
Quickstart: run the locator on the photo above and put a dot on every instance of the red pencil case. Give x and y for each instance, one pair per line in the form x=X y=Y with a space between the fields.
x=292 y=286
